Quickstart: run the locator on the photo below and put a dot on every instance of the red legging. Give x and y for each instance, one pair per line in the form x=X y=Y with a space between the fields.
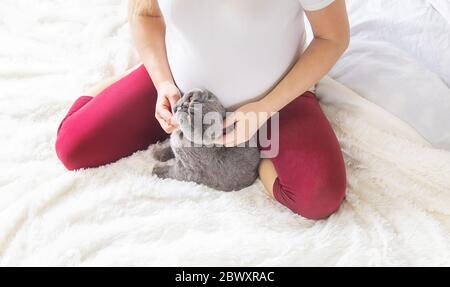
x=120 y=121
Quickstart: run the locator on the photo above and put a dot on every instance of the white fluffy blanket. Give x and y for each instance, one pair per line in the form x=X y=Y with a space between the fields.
x=397 y=211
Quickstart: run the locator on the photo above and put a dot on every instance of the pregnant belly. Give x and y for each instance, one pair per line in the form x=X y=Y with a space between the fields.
x=234 y=74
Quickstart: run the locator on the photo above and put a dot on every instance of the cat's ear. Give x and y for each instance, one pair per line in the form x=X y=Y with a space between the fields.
x=211 y=97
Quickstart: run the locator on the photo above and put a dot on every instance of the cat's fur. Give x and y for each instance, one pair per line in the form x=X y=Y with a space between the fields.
x=222 y=168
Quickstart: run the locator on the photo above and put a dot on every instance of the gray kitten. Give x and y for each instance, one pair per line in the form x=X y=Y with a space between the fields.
x=200 y=116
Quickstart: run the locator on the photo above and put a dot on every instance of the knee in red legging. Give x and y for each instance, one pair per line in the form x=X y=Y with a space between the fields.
x=310 y=166
x=314 y=193
x=115 y=124
x=102 y=134
x=69 y=144
x=68 y=154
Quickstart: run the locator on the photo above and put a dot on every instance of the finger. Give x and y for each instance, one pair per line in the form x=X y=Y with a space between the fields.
x=171 y=129
x=169 y=126
x=229 y=120
x=173 y=101
x=164 y=125
x=221 y=141
x=173 y=122
x=237 y=135
x=167 y=113
x=168 y=117
x=227 y=140
x=240 y=134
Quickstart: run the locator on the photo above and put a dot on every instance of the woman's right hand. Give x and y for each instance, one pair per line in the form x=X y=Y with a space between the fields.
x=168 y=96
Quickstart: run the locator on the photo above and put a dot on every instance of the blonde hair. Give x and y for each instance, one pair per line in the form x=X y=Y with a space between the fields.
x=143 y=8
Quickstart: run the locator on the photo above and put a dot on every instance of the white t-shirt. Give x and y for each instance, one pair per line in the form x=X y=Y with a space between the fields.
x=237 y=49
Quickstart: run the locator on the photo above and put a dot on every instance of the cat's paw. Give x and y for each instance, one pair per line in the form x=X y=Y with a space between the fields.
x=161 y=171
x=163 y=155
x=162 y=152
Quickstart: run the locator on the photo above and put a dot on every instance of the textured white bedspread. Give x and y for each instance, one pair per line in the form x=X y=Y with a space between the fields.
x=397 y=210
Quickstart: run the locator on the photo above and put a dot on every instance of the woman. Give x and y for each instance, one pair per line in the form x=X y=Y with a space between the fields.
x=251 y=54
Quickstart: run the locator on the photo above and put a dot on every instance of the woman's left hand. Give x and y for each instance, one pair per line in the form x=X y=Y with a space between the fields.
x=246 y=120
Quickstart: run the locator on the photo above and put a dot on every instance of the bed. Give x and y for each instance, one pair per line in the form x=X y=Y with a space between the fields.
x=397 y=211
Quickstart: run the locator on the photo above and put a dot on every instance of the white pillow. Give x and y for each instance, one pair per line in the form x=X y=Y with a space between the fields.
x=390 y=78
x=414 y=26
